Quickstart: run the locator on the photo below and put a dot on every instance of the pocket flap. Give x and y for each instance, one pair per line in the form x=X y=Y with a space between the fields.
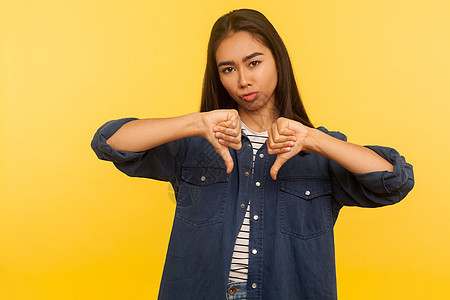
x=204 y=176
x=306 y=188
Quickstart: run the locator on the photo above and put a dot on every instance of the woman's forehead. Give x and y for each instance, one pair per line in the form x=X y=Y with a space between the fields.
x=239 y=45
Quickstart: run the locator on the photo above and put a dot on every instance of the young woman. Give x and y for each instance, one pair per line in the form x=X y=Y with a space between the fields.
x=258 y=187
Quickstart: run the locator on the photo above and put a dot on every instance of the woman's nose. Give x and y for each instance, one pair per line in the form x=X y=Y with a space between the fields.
x=244 y=79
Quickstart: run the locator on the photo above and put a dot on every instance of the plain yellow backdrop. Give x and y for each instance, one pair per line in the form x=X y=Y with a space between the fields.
x=73 y=227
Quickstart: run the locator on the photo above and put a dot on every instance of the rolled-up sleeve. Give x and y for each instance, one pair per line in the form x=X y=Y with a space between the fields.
x=105 y=151
x=160 y=163
x=385 y=182
x=372 y=189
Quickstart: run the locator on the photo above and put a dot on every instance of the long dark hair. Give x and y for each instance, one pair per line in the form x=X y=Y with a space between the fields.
x=287 y=97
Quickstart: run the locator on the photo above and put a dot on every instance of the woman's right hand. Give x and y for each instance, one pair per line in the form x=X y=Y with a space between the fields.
x=222 y=128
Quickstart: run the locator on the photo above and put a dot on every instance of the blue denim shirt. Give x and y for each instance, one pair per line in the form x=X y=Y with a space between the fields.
x=292 y=218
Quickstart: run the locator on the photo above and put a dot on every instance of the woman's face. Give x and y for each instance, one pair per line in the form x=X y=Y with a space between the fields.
x=248 y=72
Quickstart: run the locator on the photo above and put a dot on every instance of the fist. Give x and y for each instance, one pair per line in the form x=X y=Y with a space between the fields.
x=286 y=139
x=222 y=128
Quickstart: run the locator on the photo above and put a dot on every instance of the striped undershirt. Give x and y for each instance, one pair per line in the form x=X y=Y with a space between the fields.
x=239 y=262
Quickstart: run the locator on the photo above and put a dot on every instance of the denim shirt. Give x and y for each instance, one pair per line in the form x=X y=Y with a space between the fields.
x=292 y=218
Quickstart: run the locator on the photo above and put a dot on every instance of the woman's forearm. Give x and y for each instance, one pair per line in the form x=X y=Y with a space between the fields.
x=355 y=158
x=144 y=134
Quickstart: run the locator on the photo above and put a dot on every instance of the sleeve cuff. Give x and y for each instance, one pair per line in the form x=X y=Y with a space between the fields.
x=385 y=182
x=105 y=151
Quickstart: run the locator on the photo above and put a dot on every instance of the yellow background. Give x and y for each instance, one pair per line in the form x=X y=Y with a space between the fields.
x=73 y=227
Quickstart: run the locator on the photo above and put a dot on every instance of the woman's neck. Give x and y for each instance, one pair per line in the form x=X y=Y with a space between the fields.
x=257 y=121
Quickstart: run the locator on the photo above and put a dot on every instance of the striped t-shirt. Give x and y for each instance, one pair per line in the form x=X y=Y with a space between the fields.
x=239 y=262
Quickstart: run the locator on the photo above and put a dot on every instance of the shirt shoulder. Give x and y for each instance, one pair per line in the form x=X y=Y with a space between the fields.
x=336 y=134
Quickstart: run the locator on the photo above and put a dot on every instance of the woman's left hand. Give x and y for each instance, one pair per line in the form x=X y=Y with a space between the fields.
x=286 y=139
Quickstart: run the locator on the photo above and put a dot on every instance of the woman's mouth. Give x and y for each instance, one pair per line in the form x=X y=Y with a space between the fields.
x=249 y=96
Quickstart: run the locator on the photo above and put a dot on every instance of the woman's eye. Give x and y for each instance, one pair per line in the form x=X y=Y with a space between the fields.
x=254 y=63
x=227 y=70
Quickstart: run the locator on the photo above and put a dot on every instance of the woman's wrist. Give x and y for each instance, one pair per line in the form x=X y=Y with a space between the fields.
x=201 y=124
x=312 y=140
x=195 y=124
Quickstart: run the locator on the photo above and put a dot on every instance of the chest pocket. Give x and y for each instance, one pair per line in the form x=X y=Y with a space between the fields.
x=305 y=207
x=202 y=195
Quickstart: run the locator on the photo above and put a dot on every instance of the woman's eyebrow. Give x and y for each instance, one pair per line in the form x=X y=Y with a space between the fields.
x=224 y=63
x=251 y=56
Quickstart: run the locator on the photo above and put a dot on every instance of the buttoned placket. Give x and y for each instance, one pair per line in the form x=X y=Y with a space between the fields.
x=256 y=224
x=244 y=181
x=245 y=158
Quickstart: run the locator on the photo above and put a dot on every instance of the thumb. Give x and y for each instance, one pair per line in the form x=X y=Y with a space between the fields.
x=226 y=156
x=279 y=162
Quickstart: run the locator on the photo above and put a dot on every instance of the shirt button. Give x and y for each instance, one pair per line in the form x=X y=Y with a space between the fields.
x=242 y=205
x=246 y=173
x=254 y=285
x=257 y=183
x=307 y=193
x=248 y=145
x=261 y=155
x=203 y=178
x=254 y=251
x=255 y=217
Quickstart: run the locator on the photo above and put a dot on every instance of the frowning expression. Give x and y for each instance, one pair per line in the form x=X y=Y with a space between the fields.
x=248 y=72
